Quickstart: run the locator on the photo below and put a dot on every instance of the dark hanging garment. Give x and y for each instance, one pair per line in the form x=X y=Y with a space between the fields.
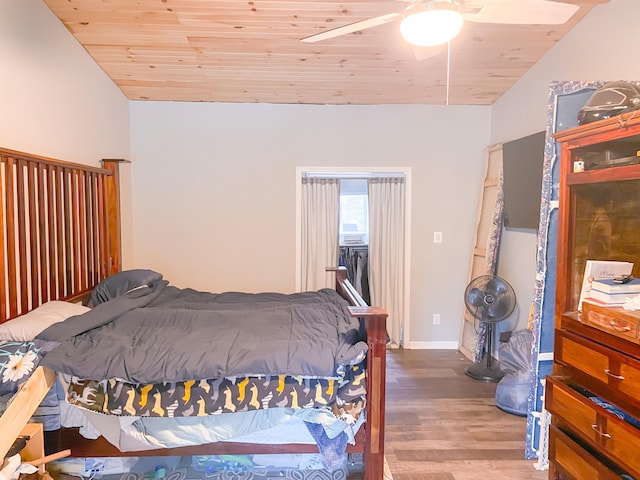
x=356 y=260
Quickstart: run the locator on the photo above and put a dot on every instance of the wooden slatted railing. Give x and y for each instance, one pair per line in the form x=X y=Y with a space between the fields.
x=55 y=220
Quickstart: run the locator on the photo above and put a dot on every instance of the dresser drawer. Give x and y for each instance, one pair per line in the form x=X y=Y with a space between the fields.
x=573 y=462
x=597 y=427
x=613 y=320
x=599 y=369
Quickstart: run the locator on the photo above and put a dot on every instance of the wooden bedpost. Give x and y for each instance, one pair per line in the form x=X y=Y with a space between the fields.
x=113 y=215
x=375 y=320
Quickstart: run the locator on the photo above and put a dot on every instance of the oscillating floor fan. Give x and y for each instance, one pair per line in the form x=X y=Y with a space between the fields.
x=489 y=299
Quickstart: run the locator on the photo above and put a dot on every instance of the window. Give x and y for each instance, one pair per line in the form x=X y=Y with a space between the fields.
x=354 y=212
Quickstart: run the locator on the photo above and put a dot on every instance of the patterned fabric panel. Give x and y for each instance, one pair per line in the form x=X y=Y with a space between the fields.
x=225 y=395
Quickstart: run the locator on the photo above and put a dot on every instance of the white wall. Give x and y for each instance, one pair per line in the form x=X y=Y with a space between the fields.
x=56 y=102
x=214 y=191
x=600 y=47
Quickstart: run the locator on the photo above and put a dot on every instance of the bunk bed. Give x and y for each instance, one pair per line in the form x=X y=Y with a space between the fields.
x=61 y=240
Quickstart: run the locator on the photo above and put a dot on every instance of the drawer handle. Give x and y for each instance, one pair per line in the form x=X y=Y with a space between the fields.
x=600 y=432
x=618 y=327
x=613 y=375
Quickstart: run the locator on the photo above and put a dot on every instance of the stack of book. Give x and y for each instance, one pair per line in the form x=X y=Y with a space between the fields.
x=599 y=269
x=607 y=291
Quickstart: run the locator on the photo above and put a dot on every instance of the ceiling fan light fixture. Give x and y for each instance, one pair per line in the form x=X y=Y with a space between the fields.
x=431 y=23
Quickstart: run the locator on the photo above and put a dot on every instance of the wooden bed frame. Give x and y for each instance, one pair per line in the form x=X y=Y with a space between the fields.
x=61 y=237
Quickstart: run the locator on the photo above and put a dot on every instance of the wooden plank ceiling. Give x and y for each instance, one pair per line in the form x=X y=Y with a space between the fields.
x=250 y=51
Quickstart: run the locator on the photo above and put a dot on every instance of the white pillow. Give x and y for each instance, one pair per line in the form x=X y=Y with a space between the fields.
x=26 y=327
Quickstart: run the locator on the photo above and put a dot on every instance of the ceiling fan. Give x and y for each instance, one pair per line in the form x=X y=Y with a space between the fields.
x=428 y=23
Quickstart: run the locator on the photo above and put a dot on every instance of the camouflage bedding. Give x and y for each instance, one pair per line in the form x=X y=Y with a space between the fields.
x=345 y=397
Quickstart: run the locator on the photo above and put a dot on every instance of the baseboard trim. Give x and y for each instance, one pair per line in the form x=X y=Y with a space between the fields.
x=433 y=345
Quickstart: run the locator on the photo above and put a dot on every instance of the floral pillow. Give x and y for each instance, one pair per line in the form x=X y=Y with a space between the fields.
x=17 y=361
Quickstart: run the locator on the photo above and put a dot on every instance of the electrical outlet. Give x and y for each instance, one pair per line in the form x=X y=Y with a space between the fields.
x=436 y=319
x=437 y=237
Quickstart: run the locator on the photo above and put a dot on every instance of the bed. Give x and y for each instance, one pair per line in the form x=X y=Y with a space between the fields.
x=61 y=239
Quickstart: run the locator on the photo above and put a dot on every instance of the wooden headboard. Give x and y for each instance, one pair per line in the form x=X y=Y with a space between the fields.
x=60 y=225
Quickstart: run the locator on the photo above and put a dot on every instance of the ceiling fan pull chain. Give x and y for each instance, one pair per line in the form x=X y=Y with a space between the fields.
x=448 y=69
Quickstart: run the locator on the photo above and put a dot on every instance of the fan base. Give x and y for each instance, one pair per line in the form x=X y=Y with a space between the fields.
x=484 y=373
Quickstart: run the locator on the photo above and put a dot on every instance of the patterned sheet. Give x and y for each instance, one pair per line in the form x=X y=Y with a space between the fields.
x=17 y=361
x=345 y=397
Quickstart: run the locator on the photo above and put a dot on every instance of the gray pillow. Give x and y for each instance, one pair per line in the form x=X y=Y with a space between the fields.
x=122 y=282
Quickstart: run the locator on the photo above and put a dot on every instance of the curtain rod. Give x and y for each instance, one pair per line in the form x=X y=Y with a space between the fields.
x=353 y=175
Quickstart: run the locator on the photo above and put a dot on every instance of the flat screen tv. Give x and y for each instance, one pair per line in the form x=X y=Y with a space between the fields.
x=523 y=160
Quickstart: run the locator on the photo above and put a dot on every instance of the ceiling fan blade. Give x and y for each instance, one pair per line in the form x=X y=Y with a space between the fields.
x=519 y=12
x=352 y=27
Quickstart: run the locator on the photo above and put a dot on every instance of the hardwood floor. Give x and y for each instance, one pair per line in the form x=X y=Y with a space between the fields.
x=444 y=425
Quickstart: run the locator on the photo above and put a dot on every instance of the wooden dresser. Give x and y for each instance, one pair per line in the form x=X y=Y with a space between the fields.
x=594 y=393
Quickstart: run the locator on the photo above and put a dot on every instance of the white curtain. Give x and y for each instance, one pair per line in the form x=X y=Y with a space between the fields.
x=386 y=250
x=320 y=217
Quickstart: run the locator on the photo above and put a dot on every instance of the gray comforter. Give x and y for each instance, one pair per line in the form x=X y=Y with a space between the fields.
x=162 y=333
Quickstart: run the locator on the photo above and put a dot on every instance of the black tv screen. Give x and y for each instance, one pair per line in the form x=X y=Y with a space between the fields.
x=523 y=161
